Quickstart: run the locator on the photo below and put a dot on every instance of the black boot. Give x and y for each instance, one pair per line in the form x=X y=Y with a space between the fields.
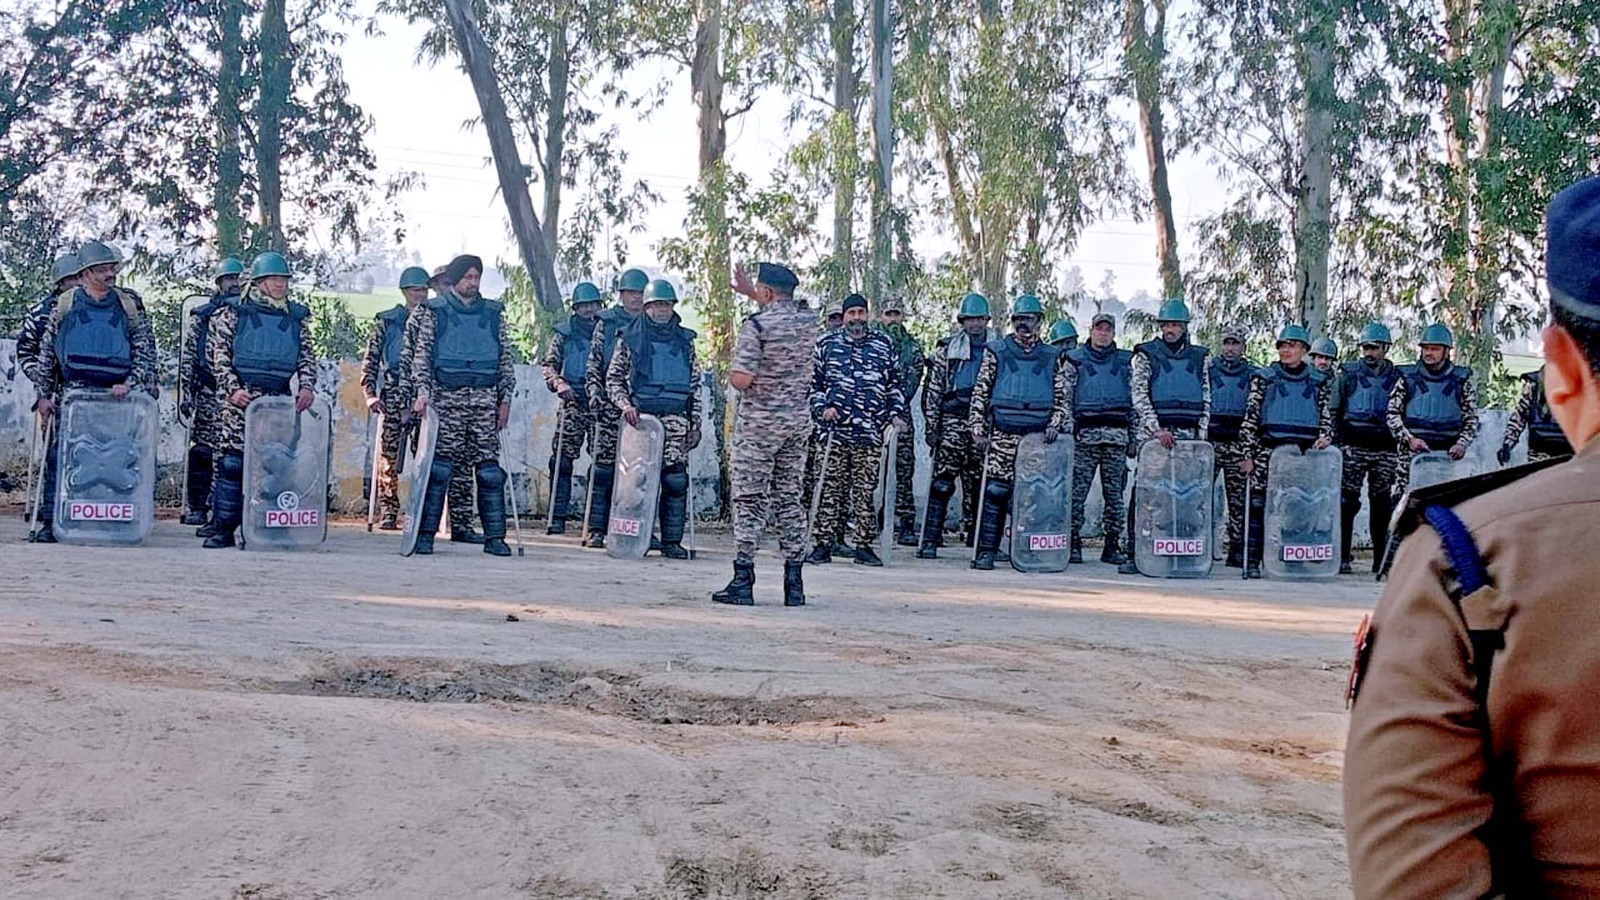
x=939 y=493
x=46 y=533
x=1076 y=554
x=866 y=556
x=991 y=523
x=201 y=464
x=227 y=500
x=1379 y=509
x=739 y=591
x=794 y=587
x=1255 y=537
x=433 y=505
x=906 y=534
x=492 y=508
x=464 y=534
x=599 y=506
x=1349 y=506
x=1112 y=551
x=560 y=494
x=821 y=556
x=1128 y=566
x=674 y=510
x=1235 y=556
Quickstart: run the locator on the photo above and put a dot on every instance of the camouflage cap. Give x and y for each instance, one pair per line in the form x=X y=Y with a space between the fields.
x=894 y=304
x=1103 y=319
x=835 y=308
x=1235 y=333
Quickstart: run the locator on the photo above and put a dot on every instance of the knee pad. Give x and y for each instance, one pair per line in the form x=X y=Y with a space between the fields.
x=232 y=466
x=675 y=480
x=944 y=488
x=441 y=472
x=491 y=477
x=997 y=491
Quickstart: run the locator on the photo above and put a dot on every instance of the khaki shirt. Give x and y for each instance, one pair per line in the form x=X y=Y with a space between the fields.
x=1415 y=793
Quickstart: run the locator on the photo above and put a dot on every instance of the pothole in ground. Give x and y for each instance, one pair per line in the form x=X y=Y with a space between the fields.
x=602 y=692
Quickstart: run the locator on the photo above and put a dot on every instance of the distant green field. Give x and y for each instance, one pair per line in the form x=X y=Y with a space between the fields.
x=365 y=306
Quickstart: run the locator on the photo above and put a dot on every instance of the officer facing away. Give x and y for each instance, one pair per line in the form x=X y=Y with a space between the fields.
x=1470 y=766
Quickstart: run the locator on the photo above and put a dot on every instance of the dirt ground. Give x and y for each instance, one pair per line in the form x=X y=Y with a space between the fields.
x=346 y=723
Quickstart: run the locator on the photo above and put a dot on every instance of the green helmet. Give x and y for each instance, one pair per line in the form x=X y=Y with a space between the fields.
x=228 y=266
x=95 y=253
x=1325 y=347
x=65 y=267
x=633 y=280
x=269 y=264
x=586 y=292
x=974 y=306
x=660 y=291
x=1173 y=311
x=1376 y=333
x=414 y=277
x=1027 y=305
x=1437 y=333
x=1063 y=330
x=1295 y=333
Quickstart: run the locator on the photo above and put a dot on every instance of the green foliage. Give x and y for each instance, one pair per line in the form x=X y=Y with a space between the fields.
x=335 y=331
x=528 y=324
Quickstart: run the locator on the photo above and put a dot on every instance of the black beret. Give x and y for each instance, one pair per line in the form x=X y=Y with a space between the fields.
x=855 y=301
x=460 y=265
x=775 y=276
x=1572 y=252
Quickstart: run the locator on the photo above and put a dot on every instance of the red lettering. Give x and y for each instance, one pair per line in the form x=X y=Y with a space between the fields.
x=626 y=527
x=295 y=518
x=1047 y=542
x=88 y=511
x=1179 y=547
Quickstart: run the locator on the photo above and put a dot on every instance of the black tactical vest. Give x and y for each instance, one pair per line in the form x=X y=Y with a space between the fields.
x=1024 y=386
x=1104 y=396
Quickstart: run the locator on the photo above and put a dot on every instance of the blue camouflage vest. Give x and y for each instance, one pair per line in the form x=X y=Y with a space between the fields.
x=266 y=344
x=1024 y=386
x=466 y=346
x=1177 y=387
x=1104 y=395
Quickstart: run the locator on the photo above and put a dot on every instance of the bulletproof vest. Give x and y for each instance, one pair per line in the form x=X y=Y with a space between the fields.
x=1289 y=411
x=1544 y=433
x=466 y=342
x=1024 y=386
x=1433 y=404
x=1366 y=390
x=612 y=323
x=92 y=342
x=1177 y=390
x=963 y=374
x=662 y=367
x=1104 y=396
x=202 y=335
x=394 y=341
x=576 y=333
x=266 y=345
x=1230 y=390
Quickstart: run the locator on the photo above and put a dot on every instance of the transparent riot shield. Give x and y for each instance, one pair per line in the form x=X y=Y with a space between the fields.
x=1301 y=537
x=636 y=488
x=285 y=474
x=186 y=325
x=1173 y=498
x=1436 y=467
x=105 y=492
x=418 y=454
x=1041 y=505
x=883 y=498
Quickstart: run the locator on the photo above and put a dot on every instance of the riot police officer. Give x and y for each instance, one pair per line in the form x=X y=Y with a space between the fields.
x=607 y=418
x=1532 y=414
x=1230 y=373
x=946 y=404
x=1433 y=406
x=566 y=367
x=381 y=385
x=1102 y=402
x=1325 y=356
x=198 y=397
x=1064 y=336
x=1361 y=410
x=64 y=276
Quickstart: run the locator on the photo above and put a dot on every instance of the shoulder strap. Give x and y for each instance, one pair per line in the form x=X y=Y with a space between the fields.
x=1471 y=576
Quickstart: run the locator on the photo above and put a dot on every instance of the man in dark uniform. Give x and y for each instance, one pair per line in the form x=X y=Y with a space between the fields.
x=771 y=370
x=260 y=346
x=1532 y=414
x=1230 y=373
x=1361 y=407
x=566 y=369
x=1290 y=404
x=1101 y=404
x=1470 y=765
x=1171 y=393
x=654 y=372
x=1433 y=406
x=913 y=363
x=381 y=380
x=461 y=364
x=607 y=418
x=946 y=404
x=855 y=394
x=1024 y=386
x=198 y=399
x=97 y=336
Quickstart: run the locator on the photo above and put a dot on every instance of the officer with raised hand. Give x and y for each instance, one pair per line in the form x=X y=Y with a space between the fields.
x=1171 y=392
x=382 y=385
x=565 y=373
x=1361 y=407
x=1102 y=402
x=260 y=346
x=1532 y=414
x=1470 y=764
x=654 y=372
x=1433 y=406
x=946 y=403
x=1290 y=404
x=607 y=418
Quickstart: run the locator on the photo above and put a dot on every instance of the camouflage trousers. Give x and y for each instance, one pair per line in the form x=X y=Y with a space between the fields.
x=1000 y=456
x=397 y=427
x=205 y=429
x=766 y=468
x=573 y=424
x=609 y=428
x=847 y=488
x=905 y=473
x=1111 y=461
x=467 y=437
x=1377 y=468
x=675 y=447
x=1228 y=455
x=230 y=423
x=958 y=460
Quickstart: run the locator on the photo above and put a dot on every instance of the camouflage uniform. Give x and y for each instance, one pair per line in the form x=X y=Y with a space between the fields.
x=380 y=382
x=956 y=459
x=1102 y=449
x=860 y=379
x=199 y=403
x=1402 y=435
x=1258 y=448
x=913 y=362
x=1223 y=433
x=1370 y=459
x=606 y=417
x=681 y=431
x=1146 y=422
x=772 y=427
x=461 y=490
x=574 y=422
x=31 y=335
x=224 y=324
x=1002 y=445
x=1531 y=408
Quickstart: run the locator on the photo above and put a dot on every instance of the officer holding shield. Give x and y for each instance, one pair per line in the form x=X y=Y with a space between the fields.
x=381 y=385
x=566 y=367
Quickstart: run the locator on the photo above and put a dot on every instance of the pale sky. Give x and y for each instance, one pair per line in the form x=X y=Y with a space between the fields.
x=419 y=113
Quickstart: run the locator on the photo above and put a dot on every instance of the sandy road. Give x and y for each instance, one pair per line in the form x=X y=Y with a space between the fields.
x=184 y=724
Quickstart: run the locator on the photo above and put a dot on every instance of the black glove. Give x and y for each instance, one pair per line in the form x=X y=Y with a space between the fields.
x=1051 y=433
x=1503 y=456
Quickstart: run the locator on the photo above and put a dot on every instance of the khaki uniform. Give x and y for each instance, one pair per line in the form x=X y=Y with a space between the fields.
x=1422 y=770
x=772 y=428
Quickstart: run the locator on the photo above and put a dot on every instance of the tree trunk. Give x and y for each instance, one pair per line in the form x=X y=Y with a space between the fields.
x=842 y=26
x=1146 y=55
x=1456 y=267
x=270 y=112
x=706 y=81
x=513 y=175
x=229 y=183
x=1313 y=217
x=555 y=138
x=882 y=148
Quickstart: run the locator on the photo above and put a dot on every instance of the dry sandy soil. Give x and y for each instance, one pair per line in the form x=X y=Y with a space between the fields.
x=346 y=723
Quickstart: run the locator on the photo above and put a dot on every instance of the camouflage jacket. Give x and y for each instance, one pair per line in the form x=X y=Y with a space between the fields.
x=860 y=378
x=1250 y=432
x=608 y=324
x=913 y=362
x=30 y=336
x=1401 y=395
x=775 y=346
x=48 y=375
